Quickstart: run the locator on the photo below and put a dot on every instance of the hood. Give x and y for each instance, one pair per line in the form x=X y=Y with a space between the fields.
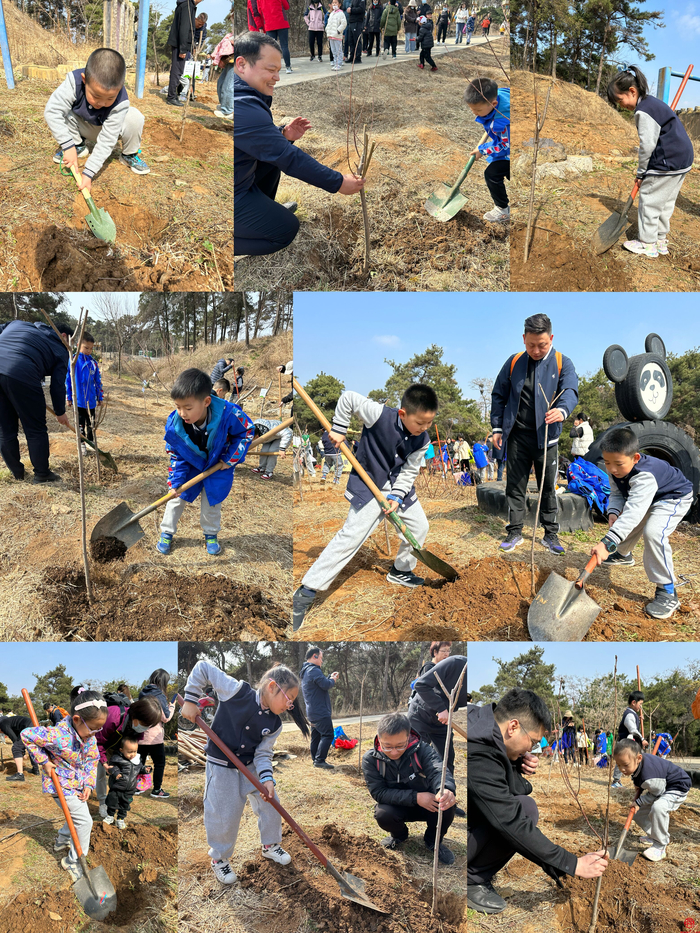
x=413 y=741
x=304 y=668
x=483 y=728
x=151 y=690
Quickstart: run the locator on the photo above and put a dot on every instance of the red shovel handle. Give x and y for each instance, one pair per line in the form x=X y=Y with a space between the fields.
x=630 y=815
x=590 y=566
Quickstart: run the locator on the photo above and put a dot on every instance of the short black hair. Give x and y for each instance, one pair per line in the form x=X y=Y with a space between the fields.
x=620 y=441
x=222 y=384
x=65 y=329
x=311 y=651
x=481 y=91
x=48 y=705
x=106 y=68
x=120 y=686
x=624 y=80
x=635 y=696
x=393 y=724
x=538 y=324
x=419 y=397
x=626 y=745
x=191 y=383
x=240 y=370
x=249 y=46
x=526 y=707
x=435 y=646
x=582 y=416
x=130 y=736
x=87 y=337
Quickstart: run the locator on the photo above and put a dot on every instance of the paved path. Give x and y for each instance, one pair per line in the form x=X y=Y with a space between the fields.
x=347 y=721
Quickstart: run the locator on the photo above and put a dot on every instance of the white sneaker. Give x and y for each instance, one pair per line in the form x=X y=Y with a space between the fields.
x=223 y=871
x=121 y=824
x=641 y=249
x=655 y=852
x=288 y=70
x=109 y=820
x=648 y=841
x=498 y=215
x=83 y=449
x=662 y=246
x=73 y=869
x=277 y=854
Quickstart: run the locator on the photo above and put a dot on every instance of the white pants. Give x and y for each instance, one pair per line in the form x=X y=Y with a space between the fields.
x=653 y=815
x=209 y=515
x=657 y=201
x=132 y=130
x=658 y=525
x=225 y=795
x=82 y=821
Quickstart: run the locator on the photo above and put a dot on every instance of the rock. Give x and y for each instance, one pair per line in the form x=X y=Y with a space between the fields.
x=573 y=165
x=616 y=151
x=547 y=150
x=53 y=916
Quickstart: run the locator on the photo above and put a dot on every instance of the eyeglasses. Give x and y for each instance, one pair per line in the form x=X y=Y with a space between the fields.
x=393 y=748
x=90 y=731
x=290 y=703
x=534 y=741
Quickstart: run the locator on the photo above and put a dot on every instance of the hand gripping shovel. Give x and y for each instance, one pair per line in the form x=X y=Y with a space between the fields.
x=624 y=855
x=105 y=458
x=351 y=887
x=423 y=555
x=94 y=890
x=98 y=220
x=444 y=203
x=563 y=611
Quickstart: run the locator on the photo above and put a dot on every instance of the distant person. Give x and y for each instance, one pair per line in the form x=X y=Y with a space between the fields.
x=55 y=713
x=485 y=25
x=221 y=368
x=461 y=17
x=222 y=57
x=471 y=26
x=313 y=17
x=630 y=727
x=391 y=24
x=426 y=41
x=373 y=27
x=271 y=450
x=581 y=434
x=181 y=43
x=355 y=14
x=274 y=13
x=12 y=727
x=443 y=24
x=410 y=25
x=315 y=687
x=88 y=388
x=335 y=30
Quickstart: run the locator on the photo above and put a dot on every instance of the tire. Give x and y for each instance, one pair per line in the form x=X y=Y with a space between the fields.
x=574 y=514
x=665 y=441
x=654 y=344
x=632 y=399
x=615 y=363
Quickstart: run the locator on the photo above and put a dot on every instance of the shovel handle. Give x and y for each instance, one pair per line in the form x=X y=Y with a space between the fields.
x=628 y=821
x=78 y=179
x=586 y=572
x=459 y=730
x=465 y=172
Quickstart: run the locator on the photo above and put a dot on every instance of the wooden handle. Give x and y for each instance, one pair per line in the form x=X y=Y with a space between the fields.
x=78 y=178
x=459 y=730
x=628 y=821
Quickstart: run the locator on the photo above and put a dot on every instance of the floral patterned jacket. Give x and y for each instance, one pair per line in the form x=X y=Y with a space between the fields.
x=75 y=760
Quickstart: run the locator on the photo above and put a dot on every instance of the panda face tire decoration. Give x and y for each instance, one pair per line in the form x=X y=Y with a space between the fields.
x=643 y=383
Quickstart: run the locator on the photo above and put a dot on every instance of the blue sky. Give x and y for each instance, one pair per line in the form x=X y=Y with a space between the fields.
x=98 y=661
x=349 y=335
x=675 y=46
x=217 y=10
x=583 y=660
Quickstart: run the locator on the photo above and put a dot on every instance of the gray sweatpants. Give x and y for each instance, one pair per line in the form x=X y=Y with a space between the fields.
x=333 y=462
x=657 y=201
x=653 y=814
x=268 y=455
x=82 y=821
x=101 y=785
x=358 y=526
x=658 y=525
x=132 y=131
x=209 y=515
x=225 y=795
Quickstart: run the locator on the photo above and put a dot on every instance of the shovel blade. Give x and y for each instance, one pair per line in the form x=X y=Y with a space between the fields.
x=626 y=855
x=115 y=524
x=102 y=225
x=555 y=616
x=106 y=902
x=435 y=563
x=608 y=233
x=353 y=889
x=443 y=208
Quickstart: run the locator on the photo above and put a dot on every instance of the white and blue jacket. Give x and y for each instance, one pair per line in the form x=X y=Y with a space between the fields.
x=88 y=383
x=497 y=125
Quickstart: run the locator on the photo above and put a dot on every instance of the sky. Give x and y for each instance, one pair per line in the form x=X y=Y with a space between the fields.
x=217 y=10
x=98 y=661
x=587 y=659
x=349 y=336
x=675 y=46
x=74 y=301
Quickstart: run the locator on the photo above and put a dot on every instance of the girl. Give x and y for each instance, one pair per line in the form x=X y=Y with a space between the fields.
x=335 y=27
x=313 y=17
x=152 y=742
x=248 y=721
x=665 y=157
x=461 y=17
x=70 y=748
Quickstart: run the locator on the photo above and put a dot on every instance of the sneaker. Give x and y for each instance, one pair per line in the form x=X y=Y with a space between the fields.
x=82 y=151
x=655 y=852
x=445 y=855
x=648 y=841
x=164 y=542
x=266 y=476
x=102 y=810
x=135 y=163
x=512 y=540
x=174 y=102
x=301 y=603
x=484 y=897
x=460 y=812
x=223 y=871
x=663 y=605
x=404 y=578
x=49 y=477
x=662 y=247
x=434 y=68
x=291 y=206
x=73 y=868
x=391 y=842
x=59 y=846
x=213 y=546
x=288 y=70
x=624 y=560
x=256 y=470
x=616 y=784
x=553 y=544
x=313 y=58
x=325 y=765
x=109 y=820
x=15 y=777
x=498 y=215
x=224 y=116
x=642 y=249
x=276 y=853
x=160 y=794
x=421 y=66
x=120 y=824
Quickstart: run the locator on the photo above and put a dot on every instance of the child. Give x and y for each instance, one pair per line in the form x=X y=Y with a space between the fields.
x=391 y=449
x=222 y=57
x=248 y=721
x=152 y=742
x=471 y=26
x=335 y=27
x=69 y=750
x=649 y=498
x=201 y=432
x=12 y=727
x=332 y=458
x=665 y=157
x=443 y=25
x=88 y=389
x=403 y=775
x=93 y=106
x=125 y=765
x=491 y=108
x=313 y=17
x=240 y=372
x=269 y=451
x=661 y=787
x=222 y=388
x=426 y=41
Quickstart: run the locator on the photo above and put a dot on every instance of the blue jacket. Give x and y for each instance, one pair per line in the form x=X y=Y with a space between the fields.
x=480 y=452
x=497 y=125
x=230 y=433
x=257 y=139
x=315 y=686
x=88 y=382
x=29 y=352
x=664 y=145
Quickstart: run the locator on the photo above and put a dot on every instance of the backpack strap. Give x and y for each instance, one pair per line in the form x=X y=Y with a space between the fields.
x=558 y=356
x=518 y=355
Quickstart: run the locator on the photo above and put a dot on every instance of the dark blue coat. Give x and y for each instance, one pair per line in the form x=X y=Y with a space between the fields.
x=315 y=686
x=30 y=352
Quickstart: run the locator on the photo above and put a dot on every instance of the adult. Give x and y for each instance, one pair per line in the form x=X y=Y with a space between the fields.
x=568 y=737
x=424 y=9
x=263 y=151
x=463 y=453
x=221 y=368
x=536 y=387
x=355 y=14
x=256 y=23
x=461 y=17
x=410 y=25
x=124 y=694
x=581 y=434
x=391 y=23
x=277 y=25
x=315 y=687
x=28 y=354
x=630 y=728
x=438 y=651
x=181 y=42
x=373 y=27
x=55 y=715
x=12 y=727
x=502 y=812
x=152 y=742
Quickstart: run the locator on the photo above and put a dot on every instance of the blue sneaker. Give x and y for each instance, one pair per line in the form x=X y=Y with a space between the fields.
x=512 y=540
x=135 y=163
x=553 y=544
x=82 y=151
x=213 y=546
x=164 y=543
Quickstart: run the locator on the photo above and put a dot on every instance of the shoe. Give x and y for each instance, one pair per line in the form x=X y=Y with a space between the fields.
x=662 y=247
x=553 y=544
x=421 y=66
x=213 y=546
x=404 y=578
x=663 y=605
x=19 y=477
x=642 y=249
x=498 y=215
x=109 y=820
x=135 y=163
x=59 y=846
x=655 y=853
x=120 y=824
x=313 y=58
x=15 y=777
x=320 y=59
x=460 y=812
x=174 y=102
x=73 y=868
x=291 y=206
x=391 y=842
x=164 y=542
x=485 y=898
x=624 y=560
x=277 y=854
x=83 y=449
x=445 y=855
x=288 y=70
x=160 y=794
x=434 y=68
x=512 y=540
x=224 y=116
x=325 y=765
x=616 y=784
x=49 y=477
x=301 y=603
x=102 y=810
x=223 y=871
x=82 y=151
x=266 y=476
x=256 y=470
x=648 y=841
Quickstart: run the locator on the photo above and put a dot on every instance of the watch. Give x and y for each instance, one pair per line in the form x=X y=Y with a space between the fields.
x=609 y=544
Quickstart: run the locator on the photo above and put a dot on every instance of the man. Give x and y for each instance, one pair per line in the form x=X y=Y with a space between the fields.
x=502 y=816
x=314 y=688
x=630 y=728
x=263 y=151
x=28 y=354
x=534 y=388
x=220 y=369
x=54 y=713
x=181 y=42
x=12 y=727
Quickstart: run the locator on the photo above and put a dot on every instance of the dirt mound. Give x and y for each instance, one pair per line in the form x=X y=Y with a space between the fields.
x=198 y=141
x=135 y=225
x=30 y=44
x=107 y=549
x=301 y=887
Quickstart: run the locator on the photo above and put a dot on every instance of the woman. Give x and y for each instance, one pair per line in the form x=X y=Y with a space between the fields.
x=410 y=25
x=152 y=742
x=277 y=25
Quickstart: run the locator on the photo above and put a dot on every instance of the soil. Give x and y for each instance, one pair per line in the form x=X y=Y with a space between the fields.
x=107 y=549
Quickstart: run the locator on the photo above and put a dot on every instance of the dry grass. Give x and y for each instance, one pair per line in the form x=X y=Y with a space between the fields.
x=31 y=44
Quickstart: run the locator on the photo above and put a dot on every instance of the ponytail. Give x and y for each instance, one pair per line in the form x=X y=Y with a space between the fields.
x=286 y=679
x=624 y=80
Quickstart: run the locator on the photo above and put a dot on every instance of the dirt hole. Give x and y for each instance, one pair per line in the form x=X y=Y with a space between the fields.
x=108 y=549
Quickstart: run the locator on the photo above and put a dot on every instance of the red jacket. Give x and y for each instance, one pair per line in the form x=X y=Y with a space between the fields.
x=273 y=14
x=255 y=20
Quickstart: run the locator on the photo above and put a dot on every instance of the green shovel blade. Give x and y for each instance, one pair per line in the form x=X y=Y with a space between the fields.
x=100 y=223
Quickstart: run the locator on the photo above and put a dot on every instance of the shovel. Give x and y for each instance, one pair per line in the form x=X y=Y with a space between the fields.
x=624 y=855
x=98 y=220
x=351 y=887
x=423 y=555
x=94 y=890
x=563 y=611
x=444 y=203
x=106 y=458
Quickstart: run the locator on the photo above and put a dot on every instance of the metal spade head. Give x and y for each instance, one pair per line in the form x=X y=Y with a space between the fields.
x=608 y=233
x=624 y=855
x=97 y=908
x=353 y=889
x=560 y=612
x=435 y=563
x=117 y=524
x=443 y=207
x=100 y=223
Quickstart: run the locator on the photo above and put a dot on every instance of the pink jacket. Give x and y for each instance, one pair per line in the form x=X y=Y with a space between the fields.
x=273 y=14
x=156 y=734
x=314 y=17
x=224 y=48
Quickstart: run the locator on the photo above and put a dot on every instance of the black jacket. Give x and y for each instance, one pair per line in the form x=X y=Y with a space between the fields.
x=181 y=36
x=425 y=35
x=29 y=352
x=356 y=12
x=399 y=782
x=493 y=782
x=373 y=20
x=429 y=699
x=12 y=726
x=129 y=771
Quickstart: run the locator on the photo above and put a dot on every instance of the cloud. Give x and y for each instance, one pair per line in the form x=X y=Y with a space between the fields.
x=387 y=340
x=689 y=22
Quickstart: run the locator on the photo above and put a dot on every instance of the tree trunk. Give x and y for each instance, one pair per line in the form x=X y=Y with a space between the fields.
x=602 y=57
x=385 y=679
x=554 y=53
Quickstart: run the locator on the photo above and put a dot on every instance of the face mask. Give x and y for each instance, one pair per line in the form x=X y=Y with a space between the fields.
x=139 y=729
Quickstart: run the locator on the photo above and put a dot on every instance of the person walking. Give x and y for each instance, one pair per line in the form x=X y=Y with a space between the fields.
x=315 y=687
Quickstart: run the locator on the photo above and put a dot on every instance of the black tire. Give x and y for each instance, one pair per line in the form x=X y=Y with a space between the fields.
x=574 y=513
x=665 y=441
x=654 y=344
x=629 y=394
x=615 y=363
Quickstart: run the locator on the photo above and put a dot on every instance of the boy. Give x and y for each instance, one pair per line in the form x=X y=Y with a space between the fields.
x=93 y=106
x=124 y=769
x=661 y=787
x=491 y=108
x=332 y=459
x=88 y=388
x=649 y=498
x=201 y=432
x=403 y=775
x=391 y=449
x=222 y=388
x=239 y=380
x=271 y=450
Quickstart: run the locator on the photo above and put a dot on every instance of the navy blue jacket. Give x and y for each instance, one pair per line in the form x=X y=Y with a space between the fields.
x=315 y=686
x=242 y=724
x=151 y=690
x=220 y=370
x=257 y=139
x=670 y=481
x=660 y=127
x=29 y=353
x=652 y=767
x=81 y=108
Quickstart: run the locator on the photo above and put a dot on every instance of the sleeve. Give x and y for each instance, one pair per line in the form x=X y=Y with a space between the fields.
x=643 y=488
x=57 y=108
x=205 y=674
x=179 y=470
x=631 y=725
x=408 y=472
x=649 y=131
x=107 y=139
x=655 y=787
x=616 y=503
x=378 y=788
x=320 y=679
x=352 y=403
x=499 y=396
x=91 y=767
x=98 y=384
x=58 y=384
x=240 y=436
x=37 y=740
x=432 y=766
x=567 y=387
x=263 y=757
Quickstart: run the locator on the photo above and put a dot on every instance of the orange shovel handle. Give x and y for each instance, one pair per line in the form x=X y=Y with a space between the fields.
x=586 y=572
x=628 y=821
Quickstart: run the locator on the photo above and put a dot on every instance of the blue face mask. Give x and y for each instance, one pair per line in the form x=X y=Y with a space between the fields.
x=139 y=729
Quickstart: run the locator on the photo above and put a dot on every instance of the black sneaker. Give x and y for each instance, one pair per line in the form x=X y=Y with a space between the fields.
x=663 y=605
x=553 y=544
x=445 y=855
x=174 y=102
x=324 y=764
x=49 y=477
x=160 y=794
x=485 y=898
x=404 y=578
x=391 y=842
x=15 y=777
x=301 y=603
x=624 y=560
x=460 y=812
x=512 y=540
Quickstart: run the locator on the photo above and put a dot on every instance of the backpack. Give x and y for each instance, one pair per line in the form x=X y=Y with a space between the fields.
x=340 y=740
x=114 y=699
x=62 y=711
x=588 y=480
x=518 y=355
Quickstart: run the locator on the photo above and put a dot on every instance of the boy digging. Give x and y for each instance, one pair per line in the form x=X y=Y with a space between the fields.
x=93 y=106
x=203 y=430
x=88 y=388
x=391 y=449
x=491 y=108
